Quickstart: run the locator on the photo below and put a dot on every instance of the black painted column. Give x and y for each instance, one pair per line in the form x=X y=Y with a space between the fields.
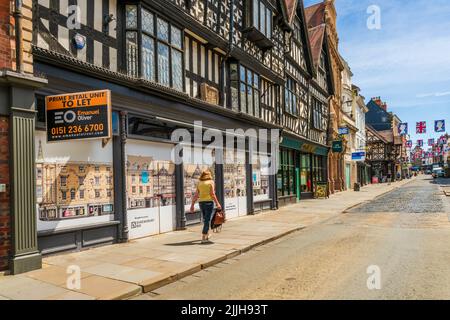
x=220 y=181
x=120 y=164
x=249 y=178
x=179 y=197
x=273 y=188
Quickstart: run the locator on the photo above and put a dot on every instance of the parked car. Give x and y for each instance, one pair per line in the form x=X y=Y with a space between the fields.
x=438 y=173
x=428 y=171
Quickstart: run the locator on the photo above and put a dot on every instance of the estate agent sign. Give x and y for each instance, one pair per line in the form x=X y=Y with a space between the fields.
x=76 y=116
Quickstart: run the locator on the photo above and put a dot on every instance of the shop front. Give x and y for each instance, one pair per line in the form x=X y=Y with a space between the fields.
x=302 y=167
x=101 y=191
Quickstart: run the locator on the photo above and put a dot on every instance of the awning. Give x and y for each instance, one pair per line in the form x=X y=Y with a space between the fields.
x=304 y=146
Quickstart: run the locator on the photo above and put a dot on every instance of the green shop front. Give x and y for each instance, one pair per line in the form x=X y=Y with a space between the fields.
x=302 y=168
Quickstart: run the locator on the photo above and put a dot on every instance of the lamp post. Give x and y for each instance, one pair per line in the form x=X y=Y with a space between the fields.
x=18 y=31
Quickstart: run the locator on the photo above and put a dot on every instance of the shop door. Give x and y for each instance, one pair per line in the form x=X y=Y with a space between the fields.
x=347 y=176
x=150 y=180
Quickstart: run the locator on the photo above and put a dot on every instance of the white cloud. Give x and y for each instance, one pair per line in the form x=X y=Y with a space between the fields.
x=435 y=94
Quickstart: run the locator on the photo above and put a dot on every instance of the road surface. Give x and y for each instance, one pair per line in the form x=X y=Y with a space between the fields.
x=402 y=239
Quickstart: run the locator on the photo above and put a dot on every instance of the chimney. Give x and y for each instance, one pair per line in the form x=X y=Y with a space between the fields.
x=377 y=100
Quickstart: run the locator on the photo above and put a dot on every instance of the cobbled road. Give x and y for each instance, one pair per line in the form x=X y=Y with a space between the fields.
x=404 y=235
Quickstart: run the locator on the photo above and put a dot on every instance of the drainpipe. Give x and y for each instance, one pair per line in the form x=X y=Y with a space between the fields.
x=18 y=31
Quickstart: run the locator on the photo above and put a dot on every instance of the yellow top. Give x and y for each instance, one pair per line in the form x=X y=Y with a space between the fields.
x=204 y=191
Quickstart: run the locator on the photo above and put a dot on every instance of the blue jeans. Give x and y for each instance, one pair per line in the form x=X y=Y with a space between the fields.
x=207 y=209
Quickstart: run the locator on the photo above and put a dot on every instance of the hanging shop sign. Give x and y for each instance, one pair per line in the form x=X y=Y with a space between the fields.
x=344 y=131
x=77 y=116
x=337 y=146
x=358 y=156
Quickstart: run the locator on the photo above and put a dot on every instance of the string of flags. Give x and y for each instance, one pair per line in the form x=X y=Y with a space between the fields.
x=421 y=127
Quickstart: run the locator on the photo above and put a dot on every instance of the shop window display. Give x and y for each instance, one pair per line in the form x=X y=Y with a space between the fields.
x=260 y=178
x=70 y=181
x=235 y=187
x=305 y=174
x=155 y=181
x=150 y=185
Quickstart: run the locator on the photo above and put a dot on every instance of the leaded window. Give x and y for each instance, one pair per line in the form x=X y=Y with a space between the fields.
x=245 y=90
x=290 y=96
x=318 y=115
x=262 y=16
x=154 y=48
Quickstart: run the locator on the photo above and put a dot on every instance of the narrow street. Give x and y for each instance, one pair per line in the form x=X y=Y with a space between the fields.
x=405 y=233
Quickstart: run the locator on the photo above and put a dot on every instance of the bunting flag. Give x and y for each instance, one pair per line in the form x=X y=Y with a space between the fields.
x=403 y=129
x=439 y=126
x=420 y=143
x=409 y=144
x=430 y=142
x=421 y=127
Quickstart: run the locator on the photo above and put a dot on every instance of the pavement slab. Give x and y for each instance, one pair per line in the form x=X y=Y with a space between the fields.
x=102 y=288
x=24 y=288
x=122 y=273
x=55 y=275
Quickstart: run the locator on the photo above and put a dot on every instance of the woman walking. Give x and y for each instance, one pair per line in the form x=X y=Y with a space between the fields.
x=206 y=196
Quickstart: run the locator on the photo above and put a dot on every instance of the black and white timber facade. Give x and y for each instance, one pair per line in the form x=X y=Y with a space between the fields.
x=169 y=63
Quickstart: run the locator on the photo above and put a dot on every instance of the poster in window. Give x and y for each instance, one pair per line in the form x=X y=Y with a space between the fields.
x=261 y=178
x=150 y=188
x=74 y=183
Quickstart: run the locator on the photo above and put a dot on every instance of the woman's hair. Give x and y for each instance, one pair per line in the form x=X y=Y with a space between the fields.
x=206 y=176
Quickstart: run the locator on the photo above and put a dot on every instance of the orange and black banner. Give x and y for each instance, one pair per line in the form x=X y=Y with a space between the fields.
x=76 y=116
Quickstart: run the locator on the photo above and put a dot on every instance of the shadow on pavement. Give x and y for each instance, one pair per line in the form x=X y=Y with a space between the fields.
x=189 y=243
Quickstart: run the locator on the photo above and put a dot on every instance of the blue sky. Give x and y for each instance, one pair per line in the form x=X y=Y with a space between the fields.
x=406 y=62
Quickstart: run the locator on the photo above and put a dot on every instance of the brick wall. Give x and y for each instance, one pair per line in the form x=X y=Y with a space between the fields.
x=5 y=38
x=5 y=220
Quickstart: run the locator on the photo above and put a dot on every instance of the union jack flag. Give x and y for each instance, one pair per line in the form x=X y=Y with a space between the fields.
x=409 y=144
x=420 y=143
x=421 y=127
x=430 y=142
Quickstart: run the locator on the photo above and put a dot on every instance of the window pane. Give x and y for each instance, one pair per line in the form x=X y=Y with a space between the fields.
x=162 y=29
x=262 y=18
x=131 y=17
x=288 y=100
x=256 y=81
x=176 y=37
x=243 y=76
x=147 y=22
x=163 y=64
x=256 y=13
x=269 y=22
x=243 y=98
x=177 y=70
x=250 y=100
x=234 y=96
x=132 y=54
x=249 y=77
x=256 y=100
x=148 y=58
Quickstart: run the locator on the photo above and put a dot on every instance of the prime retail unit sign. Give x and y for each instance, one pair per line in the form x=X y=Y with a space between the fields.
x=77 y=116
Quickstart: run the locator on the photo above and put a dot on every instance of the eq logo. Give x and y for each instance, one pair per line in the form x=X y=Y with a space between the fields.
x=65 y=117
